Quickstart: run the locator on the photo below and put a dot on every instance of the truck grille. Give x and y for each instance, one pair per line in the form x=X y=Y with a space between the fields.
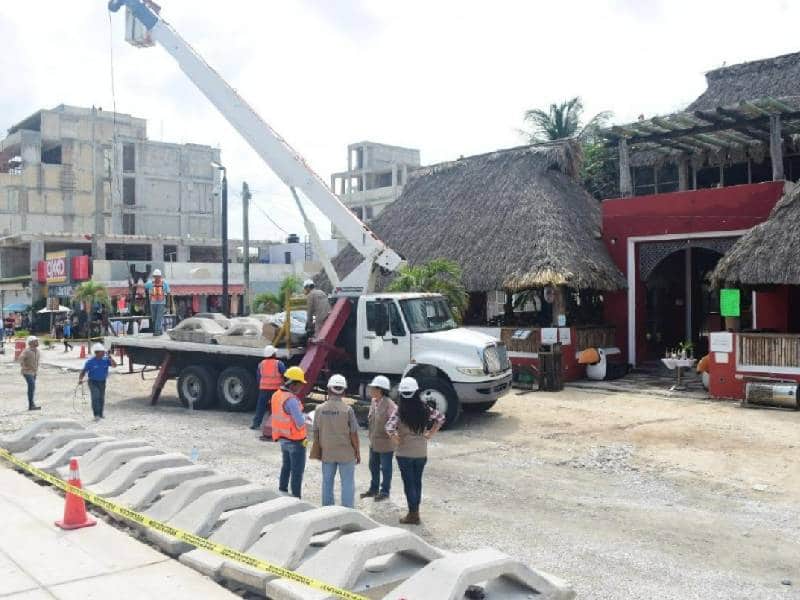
x=496 y=358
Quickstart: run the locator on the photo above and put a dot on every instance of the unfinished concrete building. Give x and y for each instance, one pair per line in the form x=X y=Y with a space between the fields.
x=375 y=176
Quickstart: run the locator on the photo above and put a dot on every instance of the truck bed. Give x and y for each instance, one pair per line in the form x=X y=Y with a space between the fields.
x=164 y=343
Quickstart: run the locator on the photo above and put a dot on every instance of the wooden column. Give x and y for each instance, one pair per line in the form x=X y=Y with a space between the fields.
x=683 y=174
x=559 y=303
x=625 y=183
x=776 y=147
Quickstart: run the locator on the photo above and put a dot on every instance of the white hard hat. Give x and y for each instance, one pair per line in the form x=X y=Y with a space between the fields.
x=408 y=386
x=337 y=382
x=157 y=273
x=98 y=347
x=308 y=283
x=31 y=339
x=269 y=350
x=381 y=382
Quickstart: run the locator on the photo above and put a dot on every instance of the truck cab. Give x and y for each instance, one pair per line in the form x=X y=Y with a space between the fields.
x=416 y=334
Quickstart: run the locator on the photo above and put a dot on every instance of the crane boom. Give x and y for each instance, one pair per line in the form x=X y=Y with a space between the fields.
x=282 y=159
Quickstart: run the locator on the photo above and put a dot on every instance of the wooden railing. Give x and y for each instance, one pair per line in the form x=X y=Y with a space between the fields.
x=583 y=337
x=769 y=349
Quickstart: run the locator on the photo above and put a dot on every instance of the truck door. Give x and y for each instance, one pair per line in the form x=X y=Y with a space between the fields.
x=384 y=341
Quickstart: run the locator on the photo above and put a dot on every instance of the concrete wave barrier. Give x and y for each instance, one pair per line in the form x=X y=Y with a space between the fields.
x=242 y=534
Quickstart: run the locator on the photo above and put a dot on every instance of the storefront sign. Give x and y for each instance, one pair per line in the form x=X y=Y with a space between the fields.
x=729 y=303
x=60 y=291
x=565 y=335
x=720 y=341
x=549 y=335
x=57 y=267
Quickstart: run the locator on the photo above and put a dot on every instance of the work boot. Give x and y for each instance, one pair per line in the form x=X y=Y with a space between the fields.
x=381 y=496
x=412 y=518
x=368 y=494
x=34 y=407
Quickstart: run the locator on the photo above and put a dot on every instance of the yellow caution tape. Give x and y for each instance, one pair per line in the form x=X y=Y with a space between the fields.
x=184 y=536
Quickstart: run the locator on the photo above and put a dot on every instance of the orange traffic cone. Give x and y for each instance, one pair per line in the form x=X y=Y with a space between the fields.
x=83 y=351
x=75 y=515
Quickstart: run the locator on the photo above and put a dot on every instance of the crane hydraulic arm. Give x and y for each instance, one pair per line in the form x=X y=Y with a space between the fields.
x=145 y=27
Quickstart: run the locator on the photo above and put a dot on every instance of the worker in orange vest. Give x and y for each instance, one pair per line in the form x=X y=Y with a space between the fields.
x=289 y=428
x=270 y=377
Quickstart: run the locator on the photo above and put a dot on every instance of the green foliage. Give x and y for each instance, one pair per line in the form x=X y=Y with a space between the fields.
x=269 y=302
x=440 y=276
x=599 y=170
x=561 y=121
x=90 y=292
x=21 y=333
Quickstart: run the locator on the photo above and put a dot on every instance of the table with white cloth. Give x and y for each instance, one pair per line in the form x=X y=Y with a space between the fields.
x=678 y=365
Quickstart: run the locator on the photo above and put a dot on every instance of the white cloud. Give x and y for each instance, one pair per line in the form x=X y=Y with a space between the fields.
x=448 y=77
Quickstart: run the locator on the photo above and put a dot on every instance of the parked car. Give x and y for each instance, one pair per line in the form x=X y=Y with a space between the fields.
x=218 y=318
x=198 y=330
x=246 y=334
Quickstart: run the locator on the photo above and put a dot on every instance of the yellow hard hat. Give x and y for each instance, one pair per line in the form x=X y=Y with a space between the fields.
x=295 y=374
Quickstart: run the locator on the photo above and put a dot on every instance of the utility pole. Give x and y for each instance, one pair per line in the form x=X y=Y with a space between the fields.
x=246 y=235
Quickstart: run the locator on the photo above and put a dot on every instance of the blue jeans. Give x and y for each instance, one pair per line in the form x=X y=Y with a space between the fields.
x=380 y=463
x=97 y=390
x=157 y=312
x=31 y=381
x=347 y=472
x=294 y=463
x=264 y=400
x=411 y=472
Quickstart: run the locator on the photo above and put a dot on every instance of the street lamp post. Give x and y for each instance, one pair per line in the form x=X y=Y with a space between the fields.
x=225 y=298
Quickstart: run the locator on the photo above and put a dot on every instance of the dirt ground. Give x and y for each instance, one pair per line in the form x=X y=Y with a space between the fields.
x=626 y=496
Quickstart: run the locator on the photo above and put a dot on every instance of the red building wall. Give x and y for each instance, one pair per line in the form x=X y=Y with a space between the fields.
x=692 y=212
x=772 y=309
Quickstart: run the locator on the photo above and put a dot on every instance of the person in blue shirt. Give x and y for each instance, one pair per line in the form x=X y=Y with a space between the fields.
x=97 y=370
x=67 y=334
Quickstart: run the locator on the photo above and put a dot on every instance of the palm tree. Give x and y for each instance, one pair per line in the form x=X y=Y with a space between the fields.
x=90 y=292
x=270 y=302
x=562 y=121
x=439 y=276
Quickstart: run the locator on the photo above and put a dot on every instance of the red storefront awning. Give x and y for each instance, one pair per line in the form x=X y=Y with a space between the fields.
x=187 y=290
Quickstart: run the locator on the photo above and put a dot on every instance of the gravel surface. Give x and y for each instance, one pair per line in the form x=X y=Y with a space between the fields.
x=626 y=496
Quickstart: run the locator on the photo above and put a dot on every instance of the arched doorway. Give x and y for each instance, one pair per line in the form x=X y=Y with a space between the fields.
x=681 y=306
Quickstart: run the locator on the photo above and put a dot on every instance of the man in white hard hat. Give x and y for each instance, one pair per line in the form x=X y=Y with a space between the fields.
x=158 y=289
x=381 y=448
x=29 y=366
x=317 y=307
x=97 y=370
x=336 y=433
x=270 y=378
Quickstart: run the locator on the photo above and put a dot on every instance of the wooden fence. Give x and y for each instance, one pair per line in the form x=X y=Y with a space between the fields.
x=769 y=349
x=583 y=337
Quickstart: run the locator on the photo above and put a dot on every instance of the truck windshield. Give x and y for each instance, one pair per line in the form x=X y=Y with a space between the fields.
x=428 y=314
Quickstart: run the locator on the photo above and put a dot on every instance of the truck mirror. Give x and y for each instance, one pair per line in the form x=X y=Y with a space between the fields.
x=381 y=319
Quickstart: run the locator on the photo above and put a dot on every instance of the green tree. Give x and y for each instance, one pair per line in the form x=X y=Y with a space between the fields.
x=563 y=120
x=440 y=276
x=88 y=293
x=269 y=302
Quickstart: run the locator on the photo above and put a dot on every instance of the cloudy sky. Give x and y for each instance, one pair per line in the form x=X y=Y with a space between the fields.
x=448 y=77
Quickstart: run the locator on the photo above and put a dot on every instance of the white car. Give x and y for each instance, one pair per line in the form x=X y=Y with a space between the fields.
x=197 y=330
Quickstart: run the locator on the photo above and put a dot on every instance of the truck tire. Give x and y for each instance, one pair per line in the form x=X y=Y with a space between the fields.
x=476 y=407
x=237 y=390
x=197 y=387
x=439 y=394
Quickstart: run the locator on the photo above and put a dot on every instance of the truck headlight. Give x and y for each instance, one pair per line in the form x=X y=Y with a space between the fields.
x=471 y=371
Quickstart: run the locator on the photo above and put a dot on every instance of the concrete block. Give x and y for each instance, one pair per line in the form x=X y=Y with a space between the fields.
x=187 y=492
x=27 y=436
x=75 y=448
x=124 y=477
x=343 y=562
x=201 y=515
x=242 y=530
x=52 y=441
x=100 y=451
x=500 y=577
x=288 y=542
x=103 y=467
x=150 y=487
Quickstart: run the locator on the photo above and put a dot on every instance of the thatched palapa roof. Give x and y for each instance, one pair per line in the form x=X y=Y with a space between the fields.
x=768 y=254
x=770 y=77
x=512 y=219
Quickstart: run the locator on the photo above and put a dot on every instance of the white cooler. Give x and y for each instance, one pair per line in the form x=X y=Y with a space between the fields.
x=600 y=370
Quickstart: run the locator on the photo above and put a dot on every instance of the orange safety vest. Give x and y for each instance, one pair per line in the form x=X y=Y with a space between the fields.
x=271 y=378
x=157 y=292
x=283 y=425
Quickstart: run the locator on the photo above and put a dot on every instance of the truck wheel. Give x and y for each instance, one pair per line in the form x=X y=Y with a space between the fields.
x=475 y=407
x=439 y=394
x=237 y=390
x=197 y=387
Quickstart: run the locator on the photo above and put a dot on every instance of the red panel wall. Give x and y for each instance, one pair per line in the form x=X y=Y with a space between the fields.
x=41 y=271
x=80 y=268
x=772 y=309
x=719 y=209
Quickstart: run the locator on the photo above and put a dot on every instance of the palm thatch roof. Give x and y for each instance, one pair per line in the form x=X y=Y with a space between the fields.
x=768 y=254
x=512 y=219
x=771 y=77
